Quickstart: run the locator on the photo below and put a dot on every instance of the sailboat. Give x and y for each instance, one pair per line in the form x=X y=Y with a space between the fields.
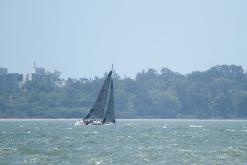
x=102 y=112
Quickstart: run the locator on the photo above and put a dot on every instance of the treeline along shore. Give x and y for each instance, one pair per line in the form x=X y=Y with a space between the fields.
x=217 y=93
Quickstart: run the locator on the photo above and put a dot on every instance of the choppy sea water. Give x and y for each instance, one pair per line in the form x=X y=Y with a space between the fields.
x=135 y=142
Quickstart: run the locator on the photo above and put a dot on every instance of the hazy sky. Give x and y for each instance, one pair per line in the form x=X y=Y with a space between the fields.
x=83 y=38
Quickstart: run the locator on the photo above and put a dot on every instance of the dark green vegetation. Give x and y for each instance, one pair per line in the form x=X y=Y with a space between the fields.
x=220 y=92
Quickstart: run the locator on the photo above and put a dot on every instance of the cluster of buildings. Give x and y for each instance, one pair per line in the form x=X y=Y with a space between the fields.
x=9 y=80
x=16 y=80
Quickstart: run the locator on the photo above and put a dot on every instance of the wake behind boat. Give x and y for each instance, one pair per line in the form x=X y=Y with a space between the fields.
x=102 y=112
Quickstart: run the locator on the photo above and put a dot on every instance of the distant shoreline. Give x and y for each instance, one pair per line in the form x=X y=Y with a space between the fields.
x=64 y=119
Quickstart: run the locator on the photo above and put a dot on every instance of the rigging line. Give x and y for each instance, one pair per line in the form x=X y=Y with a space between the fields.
x=107 y=100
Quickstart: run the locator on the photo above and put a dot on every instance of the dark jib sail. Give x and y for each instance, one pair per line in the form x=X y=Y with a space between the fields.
x=98 y=109
x=109 y=116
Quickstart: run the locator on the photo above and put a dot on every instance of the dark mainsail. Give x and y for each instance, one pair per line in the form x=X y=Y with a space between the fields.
x=109 y=116
x=98 y=109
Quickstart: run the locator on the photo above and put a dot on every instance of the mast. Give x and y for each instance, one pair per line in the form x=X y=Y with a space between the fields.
x=109 y=115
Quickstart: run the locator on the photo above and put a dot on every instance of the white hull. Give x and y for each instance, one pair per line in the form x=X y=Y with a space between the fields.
x=93 y=122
